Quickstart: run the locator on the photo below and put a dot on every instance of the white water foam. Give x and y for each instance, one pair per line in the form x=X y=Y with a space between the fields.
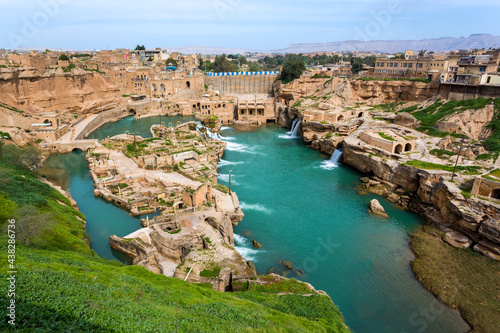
x=245 y=248
x=225 y=128
x=334 y=161
x=286 y=136
x=223 y=163
x=225 y=178
x=233 y=146
x=328 y=165
x=258 y=207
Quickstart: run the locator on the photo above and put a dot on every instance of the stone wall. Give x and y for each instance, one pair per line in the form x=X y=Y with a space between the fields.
x=486 y=188
x=255 y=84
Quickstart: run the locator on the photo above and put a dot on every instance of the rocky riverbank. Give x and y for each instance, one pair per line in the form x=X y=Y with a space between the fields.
x=412 y=177
x=174 y=173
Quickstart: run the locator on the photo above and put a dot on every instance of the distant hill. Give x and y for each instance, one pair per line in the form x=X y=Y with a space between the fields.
x=478 y=41
x=191 y=49
x=389 y=46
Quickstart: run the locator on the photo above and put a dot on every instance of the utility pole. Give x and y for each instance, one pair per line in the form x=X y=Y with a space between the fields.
x=458 y=156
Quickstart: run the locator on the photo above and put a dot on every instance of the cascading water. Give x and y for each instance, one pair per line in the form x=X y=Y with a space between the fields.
x=293 y=133
x=333 y=162
x=295 y=128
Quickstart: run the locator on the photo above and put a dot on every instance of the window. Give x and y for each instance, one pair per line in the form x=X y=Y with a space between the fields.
x=420 y=65
x=410 y=65
x=395 y=64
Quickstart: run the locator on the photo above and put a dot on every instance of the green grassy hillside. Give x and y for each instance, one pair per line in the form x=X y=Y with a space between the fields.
x=62 y=286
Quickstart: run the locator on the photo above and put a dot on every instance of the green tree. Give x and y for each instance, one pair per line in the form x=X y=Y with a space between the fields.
x=292 y=69
x=356 y=64
x=140 y=48
x=253 y=67
x=243 y=60
x=63 y=57
x=171 y=62
x=222 y=64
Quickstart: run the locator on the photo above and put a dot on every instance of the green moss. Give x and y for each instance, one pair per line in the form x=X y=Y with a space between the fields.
x=210 y=273
x=297 y=104
x=441 y=152
x=385 y=136
x=430 y=115
x=470 y=170
x=484 y=157
x=462 y=279
x=493 y=142
x=221 y=188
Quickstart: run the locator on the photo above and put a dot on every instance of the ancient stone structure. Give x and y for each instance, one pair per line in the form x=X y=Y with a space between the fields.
x=486 y=188
x=397 y=144
x=241 y=84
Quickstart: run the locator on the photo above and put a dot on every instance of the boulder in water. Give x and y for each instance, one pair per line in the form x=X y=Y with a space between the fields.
x=256 y=244
x=377 y=209
x=288 y=264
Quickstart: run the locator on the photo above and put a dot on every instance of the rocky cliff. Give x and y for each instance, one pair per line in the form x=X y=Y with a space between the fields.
x=378 y=92
x=77 y=91
x=429 y=193
x=344 y=92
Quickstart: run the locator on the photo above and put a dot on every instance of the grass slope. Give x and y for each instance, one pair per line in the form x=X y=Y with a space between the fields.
x=62 y=286
x=462 y=279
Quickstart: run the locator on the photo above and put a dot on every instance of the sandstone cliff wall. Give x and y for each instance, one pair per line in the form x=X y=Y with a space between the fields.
x=78 y=91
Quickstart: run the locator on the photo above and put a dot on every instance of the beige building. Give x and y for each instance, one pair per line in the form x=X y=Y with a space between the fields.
x=255 y=110
x=402 y=66
x=380 y=139
x=224 y=110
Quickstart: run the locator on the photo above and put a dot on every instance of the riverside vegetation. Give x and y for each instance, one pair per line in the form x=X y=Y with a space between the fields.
x=462 y=279
x=63 y=286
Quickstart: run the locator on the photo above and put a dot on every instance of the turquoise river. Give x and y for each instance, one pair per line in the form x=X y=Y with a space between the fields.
x=300 y=210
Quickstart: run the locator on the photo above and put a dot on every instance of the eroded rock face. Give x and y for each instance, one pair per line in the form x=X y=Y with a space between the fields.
x=387 y=91
x=473 y=122
x=490 y=229
x=79 y=90
x=405 y=119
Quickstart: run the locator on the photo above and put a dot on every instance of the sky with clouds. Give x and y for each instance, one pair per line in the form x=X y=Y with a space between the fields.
x=249 y=24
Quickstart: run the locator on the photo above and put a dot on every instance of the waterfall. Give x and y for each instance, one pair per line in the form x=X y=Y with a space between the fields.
x=293 y=125
x=333 y=162
x=336 y=156
x=295 y=128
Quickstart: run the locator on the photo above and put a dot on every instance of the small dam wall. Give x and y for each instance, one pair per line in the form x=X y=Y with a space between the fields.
x=241 y=84
x=115 y=114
